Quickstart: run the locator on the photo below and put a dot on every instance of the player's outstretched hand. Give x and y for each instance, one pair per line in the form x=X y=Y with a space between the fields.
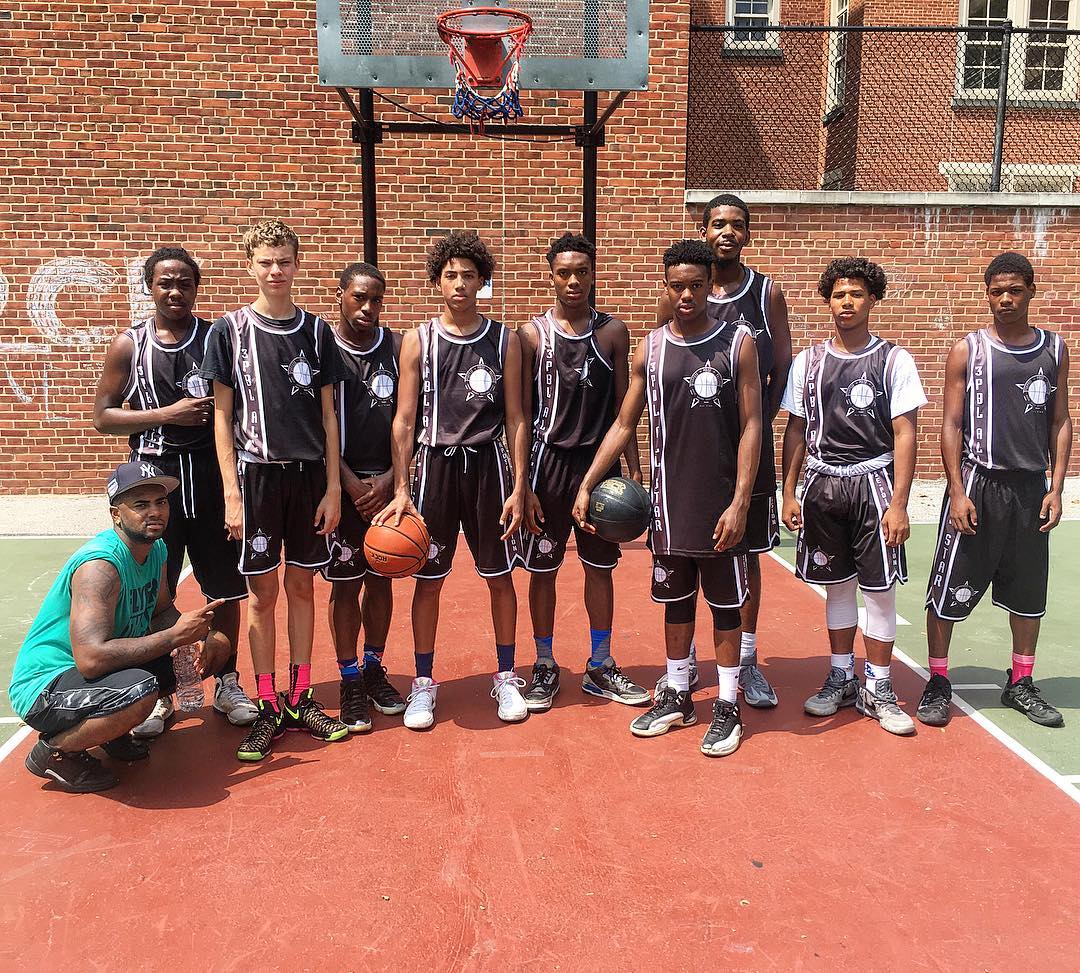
x=730 y=528
x=328 y=514
x=190 y=412
x=234 y=516
x=379 y=490
x=193 y=626
x=791 y=515
x=1050 y=512
x=513 y=514
x=396 y=509
x=580 y=513
x=962 y=515
x=212 y=654
x=534 y=513
x=897 y=527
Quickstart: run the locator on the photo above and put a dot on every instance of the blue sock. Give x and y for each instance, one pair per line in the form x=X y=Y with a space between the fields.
x=506 y=656
x=601 y=647
x=425 y=661
x=373 y=655
x=348 y=669
x=543 y=649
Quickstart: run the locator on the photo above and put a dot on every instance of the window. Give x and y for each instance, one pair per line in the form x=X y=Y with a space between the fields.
x=834 y=92
x=974 y=177
x=752 y=20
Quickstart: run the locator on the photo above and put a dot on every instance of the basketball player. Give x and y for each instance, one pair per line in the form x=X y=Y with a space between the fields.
x=274 y=366
x=1005 y=420
x=700 y=378
x=744 y=296
x=853 y=401
x=153 y=370
x=463 y=370
x=364 y=400
x=575 y=364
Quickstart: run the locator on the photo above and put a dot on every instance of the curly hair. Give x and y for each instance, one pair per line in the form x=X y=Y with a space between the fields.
x=1011 y=262
x=695 y=252
x=169 y=253
x=350 y=273
x=460 y=245
x=571 y=243
x=270 y=233
x=858 y=268
x=725 y=199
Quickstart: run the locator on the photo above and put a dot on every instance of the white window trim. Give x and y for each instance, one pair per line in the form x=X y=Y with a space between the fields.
x=771 y=41
x=1010 y=170
x=1019 y=13
x=834 y=92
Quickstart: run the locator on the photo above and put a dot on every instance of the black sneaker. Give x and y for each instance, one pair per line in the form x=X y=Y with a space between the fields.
x=355 y=708
x=934 y=705
x=1024 y=695
x=544 y=687
x=725 y=730
x=126 y=748
x=610 y=682
x=384 y=697
x=838 y=691
x=309 y=715
x=77 y=772
x=672 y=708
x=267 y=728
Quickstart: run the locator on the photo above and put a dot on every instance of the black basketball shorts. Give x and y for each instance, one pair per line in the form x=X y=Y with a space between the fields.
x=1007 y=553
x=842 y=537
x=347 y=561
x=722 y=578
x=762 y=524
x=555 y=478
x=463 y=488
x=280 y=500
x=197 y=525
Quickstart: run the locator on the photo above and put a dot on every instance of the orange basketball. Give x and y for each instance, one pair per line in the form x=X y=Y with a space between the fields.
x=397 y=552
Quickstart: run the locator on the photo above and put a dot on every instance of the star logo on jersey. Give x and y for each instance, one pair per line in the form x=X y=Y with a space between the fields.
x=584 y=372
x=705 y=385
x=194 y=385
x=381 y=385
x=1036 y=391
x=435 y=550
x=963 y=594
x=301 y=375
x=259 y=544
x=741 y=319
x=480 y=382
x=821 y=560
x=545 y=546
x=861 y=396
x=661 y=576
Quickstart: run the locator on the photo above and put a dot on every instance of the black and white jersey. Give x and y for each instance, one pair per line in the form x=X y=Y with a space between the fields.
x=849 y=403
x=461 y=399
x=694 y=431
x=160 y=375
x=1010 y=398
x=575 y=384
x=749 y=307
x=277 y=370
x=365 y=400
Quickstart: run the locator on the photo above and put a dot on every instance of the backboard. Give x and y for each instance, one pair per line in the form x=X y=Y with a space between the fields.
x=576 y=45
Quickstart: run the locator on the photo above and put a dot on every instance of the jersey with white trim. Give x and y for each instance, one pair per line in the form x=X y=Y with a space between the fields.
x=462 y=400
x=749 y=306
x=276 y=370
x=160 y=375
x=575 y=384
x=1010 y=399
x=694 y=431
x=365 y=400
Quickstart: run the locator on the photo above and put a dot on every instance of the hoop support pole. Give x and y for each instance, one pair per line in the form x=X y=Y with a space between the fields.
x=588 y=173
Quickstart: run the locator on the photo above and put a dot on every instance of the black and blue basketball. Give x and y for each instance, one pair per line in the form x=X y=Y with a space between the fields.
x=620 y=510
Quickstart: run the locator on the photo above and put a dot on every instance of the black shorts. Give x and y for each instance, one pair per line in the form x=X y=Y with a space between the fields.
x=555 y=478
x=762 y=524
x=71 y=698
x=280 y=500
x=197 y=525
x=464 y=488
x=842 y=537
x=1007 y=552
x=722 y=578
x=347 y=561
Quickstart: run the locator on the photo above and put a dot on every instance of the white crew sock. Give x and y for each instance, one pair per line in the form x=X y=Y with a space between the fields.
x=678 y=674
x=873 y=674
x=748 y=649
x=728 y=679
x=845 y=662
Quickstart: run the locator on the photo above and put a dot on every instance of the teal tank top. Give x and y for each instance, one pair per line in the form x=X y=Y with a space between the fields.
x=46 y=650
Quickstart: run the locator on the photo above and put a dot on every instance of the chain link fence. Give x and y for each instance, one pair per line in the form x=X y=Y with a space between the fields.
x=884 y=109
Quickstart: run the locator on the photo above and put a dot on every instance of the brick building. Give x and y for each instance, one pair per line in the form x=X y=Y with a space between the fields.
x=129 y=125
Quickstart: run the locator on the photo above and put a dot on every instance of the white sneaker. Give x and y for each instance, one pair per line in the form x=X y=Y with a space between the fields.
x=154 y=724
x=232 y=702
x=512 y=706
x=420 y=713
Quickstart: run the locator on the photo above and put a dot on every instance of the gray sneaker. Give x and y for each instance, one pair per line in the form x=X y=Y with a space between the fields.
x=837 y=692
x=661 y=683
x=755 y=688
x=881 y=705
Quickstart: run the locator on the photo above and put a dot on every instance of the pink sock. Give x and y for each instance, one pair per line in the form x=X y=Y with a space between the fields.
x=299 y=682
x=939 y=667
x=264 y=686
x=1022 y=665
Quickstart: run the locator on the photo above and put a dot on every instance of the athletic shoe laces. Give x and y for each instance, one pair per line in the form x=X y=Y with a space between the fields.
x=836 y=680
x=506 y=685
x=1027 y=694
x=313 y=717
x=230 y=690
x=620 y=680
x=936 y=691
x=419 y=694
x=756 y=678
x=260 y=735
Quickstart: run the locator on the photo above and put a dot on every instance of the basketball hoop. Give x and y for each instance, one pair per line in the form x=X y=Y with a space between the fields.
x=485 y=46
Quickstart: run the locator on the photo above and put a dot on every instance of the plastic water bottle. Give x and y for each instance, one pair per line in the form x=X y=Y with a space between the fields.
x=189 y=684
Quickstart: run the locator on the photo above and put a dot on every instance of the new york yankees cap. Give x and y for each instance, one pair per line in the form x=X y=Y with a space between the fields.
x=127 y=476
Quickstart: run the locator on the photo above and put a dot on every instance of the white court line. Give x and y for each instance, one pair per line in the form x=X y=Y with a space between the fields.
x=976 y=685
x=24 y=732
x=1040 y=766
x=1072 y=778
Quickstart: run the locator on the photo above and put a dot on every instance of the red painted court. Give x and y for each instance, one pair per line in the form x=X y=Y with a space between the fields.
x=562 y=843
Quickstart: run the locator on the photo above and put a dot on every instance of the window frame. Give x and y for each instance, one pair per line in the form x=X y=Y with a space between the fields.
x=771 y=41
x=836 y=67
